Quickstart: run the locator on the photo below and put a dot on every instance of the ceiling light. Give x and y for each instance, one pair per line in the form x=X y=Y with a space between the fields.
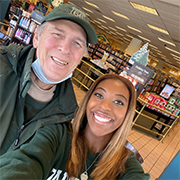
x=166 y=41
x=154 y=55
x=175 y=56
x=153 y=46
x=134 y=29
x=112 y=28
x=157 y=50
x=87 y=9
x=176 y=59
x=120 y=15
x=144 y=38
x=159 y=54
x=97 y=21
x=91 y=4
x=158 y=29
x=101 y=27
x=112 y=32
x=104 y=27
x=162 y=56
x=172 y=50
x=108 y=18
x=120 y=34
x=121 y=28
x=152 y=49
x=144 y=8
x=126 y=39
x=101 y=20
x=129 y=35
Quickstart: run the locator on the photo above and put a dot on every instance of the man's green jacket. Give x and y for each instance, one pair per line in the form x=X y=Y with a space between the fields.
x=15 y=81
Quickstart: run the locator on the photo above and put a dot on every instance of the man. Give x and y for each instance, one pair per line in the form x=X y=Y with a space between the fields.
x=35 y=86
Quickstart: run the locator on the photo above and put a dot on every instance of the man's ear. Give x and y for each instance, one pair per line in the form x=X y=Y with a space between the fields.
x=35 y=39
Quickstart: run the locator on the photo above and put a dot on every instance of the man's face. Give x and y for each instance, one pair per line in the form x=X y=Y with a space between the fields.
x=60 y=48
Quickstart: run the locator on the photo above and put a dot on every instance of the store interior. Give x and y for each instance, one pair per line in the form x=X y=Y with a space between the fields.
x=133 y=36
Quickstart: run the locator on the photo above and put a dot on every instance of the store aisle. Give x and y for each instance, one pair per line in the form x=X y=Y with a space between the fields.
x=156 y=155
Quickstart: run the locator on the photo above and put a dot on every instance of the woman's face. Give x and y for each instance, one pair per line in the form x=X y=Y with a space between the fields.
x=107 y=108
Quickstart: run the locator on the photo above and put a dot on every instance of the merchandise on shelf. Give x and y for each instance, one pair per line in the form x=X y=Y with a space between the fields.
x=23 y=31
x=115 y=57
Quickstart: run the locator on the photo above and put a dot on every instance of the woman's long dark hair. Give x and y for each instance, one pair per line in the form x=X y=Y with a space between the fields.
x=112 y=161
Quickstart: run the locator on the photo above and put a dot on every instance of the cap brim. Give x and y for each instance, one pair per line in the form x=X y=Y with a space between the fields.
x=91 y=33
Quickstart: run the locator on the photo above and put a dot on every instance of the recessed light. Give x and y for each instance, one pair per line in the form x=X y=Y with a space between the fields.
x=101 y=20
x=126 y=39
x=166 y=41
x=105 y=27
x=87 y=9
x=153 y=46
x=108 y=18
x=144 y=8
x=175 y=56
x=129 y=35
x=91 y=4
x=176 y=59
x=120 y=15
x=120 y=34
x=112 y=32
x=172 y=50
x=134 y=29
x=97 y=21
x=144 y=38
x=121 y=28
x=112 y=28
x=157 y=29
x=101 y=27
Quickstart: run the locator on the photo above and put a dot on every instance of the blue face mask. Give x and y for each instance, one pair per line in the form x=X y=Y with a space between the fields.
x=39 y=73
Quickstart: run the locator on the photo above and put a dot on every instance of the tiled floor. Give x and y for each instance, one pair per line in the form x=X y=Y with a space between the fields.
x=156 y=154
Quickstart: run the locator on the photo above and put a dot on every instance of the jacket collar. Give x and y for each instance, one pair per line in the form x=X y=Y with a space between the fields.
x=26 y=74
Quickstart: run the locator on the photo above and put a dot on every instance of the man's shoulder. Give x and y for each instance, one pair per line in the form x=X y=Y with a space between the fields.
x=14 y=49
x=11 y=48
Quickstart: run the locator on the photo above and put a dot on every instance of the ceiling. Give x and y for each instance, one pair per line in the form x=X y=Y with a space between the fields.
x=168 y=19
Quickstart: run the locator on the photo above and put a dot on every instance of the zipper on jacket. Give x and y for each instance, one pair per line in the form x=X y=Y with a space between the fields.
x=17 y=137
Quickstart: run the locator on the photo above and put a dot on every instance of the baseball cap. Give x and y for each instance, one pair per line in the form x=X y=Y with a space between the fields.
x=75 y=14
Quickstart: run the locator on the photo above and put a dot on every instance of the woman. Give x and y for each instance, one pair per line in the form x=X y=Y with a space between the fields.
x=96 y=150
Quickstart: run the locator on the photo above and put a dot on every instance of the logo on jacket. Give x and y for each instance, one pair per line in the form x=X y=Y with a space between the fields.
x=56 y=175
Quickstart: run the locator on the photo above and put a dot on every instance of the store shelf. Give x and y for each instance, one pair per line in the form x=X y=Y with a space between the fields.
x=85 y=74
x=167 y=127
